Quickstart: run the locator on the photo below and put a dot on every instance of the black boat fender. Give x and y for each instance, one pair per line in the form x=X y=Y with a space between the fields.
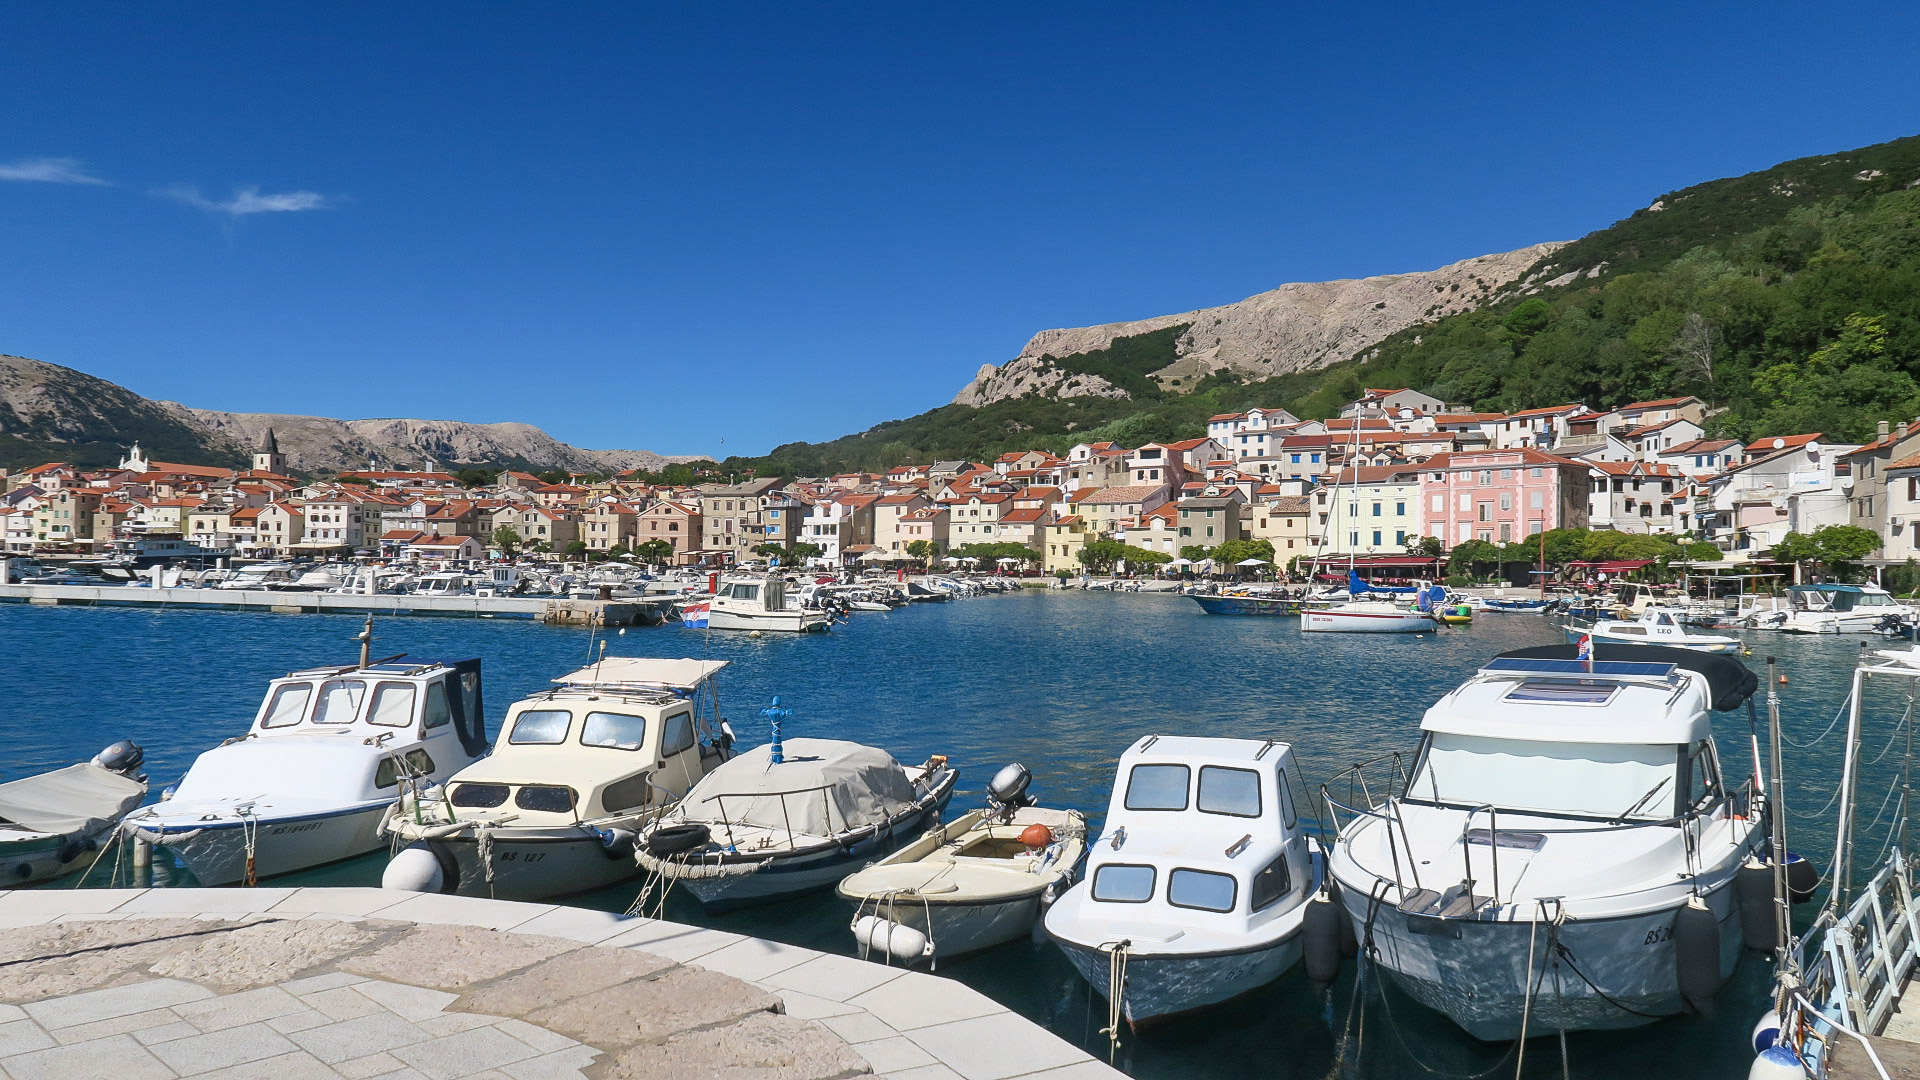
x=675 y=839
x=1696 y=954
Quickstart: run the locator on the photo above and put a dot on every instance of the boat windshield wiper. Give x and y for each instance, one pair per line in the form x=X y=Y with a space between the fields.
x=1651 y=792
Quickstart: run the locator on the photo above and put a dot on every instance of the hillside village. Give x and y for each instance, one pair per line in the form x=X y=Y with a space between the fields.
x=1395 y=481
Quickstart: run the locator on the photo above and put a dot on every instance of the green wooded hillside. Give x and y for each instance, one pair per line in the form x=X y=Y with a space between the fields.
x=1789 y=298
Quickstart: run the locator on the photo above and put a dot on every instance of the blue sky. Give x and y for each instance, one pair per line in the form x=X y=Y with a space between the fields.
x=662 y=226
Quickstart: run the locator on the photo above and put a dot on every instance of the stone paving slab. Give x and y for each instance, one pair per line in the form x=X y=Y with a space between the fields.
x=368 y=984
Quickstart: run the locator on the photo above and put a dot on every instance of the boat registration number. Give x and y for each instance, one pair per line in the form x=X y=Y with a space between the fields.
x=519 y=856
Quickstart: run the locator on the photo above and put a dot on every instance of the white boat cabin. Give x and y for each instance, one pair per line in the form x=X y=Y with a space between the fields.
x=612 y=739
x=349 y=733
x=1202 y=834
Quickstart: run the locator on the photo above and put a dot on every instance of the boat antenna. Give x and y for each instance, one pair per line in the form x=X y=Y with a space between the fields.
x=774 y=714
x=365 y=638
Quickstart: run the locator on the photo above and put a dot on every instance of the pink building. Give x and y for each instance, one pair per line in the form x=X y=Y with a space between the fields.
x=1500 y=495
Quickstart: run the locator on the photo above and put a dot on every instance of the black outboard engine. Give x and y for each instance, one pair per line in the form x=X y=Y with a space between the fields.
x=124 y=757
x=1007 y=791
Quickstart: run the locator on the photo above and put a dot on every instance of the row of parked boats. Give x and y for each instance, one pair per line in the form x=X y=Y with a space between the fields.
x=1559 y=812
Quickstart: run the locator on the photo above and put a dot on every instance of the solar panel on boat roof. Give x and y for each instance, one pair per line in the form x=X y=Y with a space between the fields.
x=1579 y=667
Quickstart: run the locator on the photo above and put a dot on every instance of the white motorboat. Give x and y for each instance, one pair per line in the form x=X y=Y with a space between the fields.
x=1562 y=851
x=577 y=772
x=1833 y=609
x=980 y=881
x=49 y=823
x=760 y=604
x=1367 y=617
x=329 y=751
x=1654 y=626
x=791 y=817
x=1196 y=893
x=268 y=575
x=442 y=583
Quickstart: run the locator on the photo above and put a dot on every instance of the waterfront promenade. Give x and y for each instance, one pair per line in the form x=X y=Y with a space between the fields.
x=354 y=983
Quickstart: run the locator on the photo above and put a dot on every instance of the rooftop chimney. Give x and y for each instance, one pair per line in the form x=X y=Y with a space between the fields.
x=1883 y=429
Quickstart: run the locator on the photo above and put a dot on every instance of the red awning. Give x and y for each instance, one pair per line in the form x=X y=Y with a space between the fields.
x=1421 y=561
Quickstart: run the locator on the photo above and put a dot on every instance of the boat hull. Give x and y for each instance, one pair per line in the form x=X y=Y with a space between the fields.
x=216 y=851
x=1726 y=647
x=788 y=622
x=1477 y=973
x=1247 y=605
x=1365 y=622
x=781 y=876
x=1160 y=986
x=37 y=857
x=531 y=864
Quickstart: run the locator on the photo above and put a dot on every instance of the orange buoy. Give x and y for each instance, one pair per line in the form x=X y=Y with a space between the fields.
x=1783 y=680
x=1036 y=836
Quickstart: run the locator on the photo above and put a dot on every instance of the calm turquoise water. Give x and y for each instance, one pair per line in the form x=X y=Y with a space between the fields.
x=1060 y=681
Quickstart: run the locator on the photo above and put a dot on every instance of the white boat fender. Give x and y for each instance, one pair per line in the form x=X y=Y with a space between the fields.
x=1696 y=953
x=903 y=943
x=617 y=843
x=1766 y=1031
x=1777 y=1063
x=1753 y=892
x=422 y=867
x=1320 y=942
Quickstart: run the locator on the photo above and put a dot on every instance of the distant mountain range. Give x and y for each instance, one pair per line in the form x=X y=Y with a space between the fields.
x=54 y=413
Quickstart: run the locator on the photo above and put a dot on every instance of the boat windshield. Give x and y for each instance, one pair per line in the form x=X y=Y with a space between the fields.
x=1612 y=781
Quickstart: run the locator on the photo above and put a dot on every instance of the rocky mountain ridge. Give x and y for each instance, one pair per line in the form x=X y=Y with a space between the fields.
x=1302 y=326
x=49 y=412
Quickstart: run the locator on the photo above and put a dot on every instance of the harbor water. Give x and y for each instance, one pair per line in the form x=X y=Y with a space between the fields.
x=1060 y=681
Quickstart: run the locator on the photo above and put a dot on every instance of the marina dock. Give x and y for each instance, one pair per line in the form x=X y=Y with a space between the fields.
x=547 y=609
x=326 y=983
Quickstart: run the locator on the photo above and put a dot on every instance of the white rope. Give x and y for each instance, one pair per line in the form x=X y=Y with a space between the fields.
x=250 y=835
x=1830 y=726
x=1116 y=994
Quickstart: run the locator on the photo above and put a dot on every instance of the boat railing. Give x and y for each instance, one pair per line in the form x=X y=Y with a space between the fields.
x=1864 y=959
x=785 y=816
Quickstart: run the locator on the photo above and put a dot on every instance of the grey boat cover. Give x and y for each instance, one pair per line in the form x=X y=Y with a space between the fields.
x=831 y=787
x=77 y=799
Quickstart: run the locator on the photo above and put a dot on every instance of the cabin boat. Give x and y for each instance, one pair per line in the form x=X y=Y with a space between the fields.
x=1565 y=825
x=761 y=604
x=577 y=771
x=1655 y=626
x=329 y=751
x=1833 y=609
x=51 y=822
x=442 y=583
x=791 y=817
x=982 y=880
x=1196 y=892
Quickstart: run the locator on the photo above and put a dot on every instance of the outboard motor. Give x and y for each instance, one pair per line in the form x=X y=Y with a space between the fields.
x=1007 y=791
x=124 y=757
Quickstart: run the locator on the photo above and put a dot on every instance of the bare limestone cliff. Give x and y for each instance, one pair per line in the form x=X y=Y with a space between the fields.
x=315 y=443
x=1296 y=327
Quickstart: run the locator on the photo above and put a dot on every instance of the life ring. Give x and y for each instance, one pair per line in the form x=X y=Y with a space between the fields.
x=674 y=839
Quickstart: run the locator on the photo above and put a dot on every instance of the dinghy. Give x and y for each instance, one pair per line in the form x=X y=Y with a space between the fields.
x=329 y=751
x=790 y=817
x=577 y=772
x=1197 y=891
x=51 y=822
x=981 y=881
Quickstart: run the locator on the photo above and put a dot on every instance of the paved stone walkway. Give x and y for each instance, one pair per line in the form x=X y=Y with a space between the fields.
x=293 y=984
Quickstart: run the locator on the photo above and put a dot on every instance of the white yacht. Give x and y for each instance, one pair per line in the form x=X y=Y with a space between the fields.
x=267 y=575
x=1562 y=850
x=761 y=604
x=1833 y=609
x=576 y=773
x=789 y=817
x=52 y=821
x=1197 y=890
x=1654 y=626
x=329 y=751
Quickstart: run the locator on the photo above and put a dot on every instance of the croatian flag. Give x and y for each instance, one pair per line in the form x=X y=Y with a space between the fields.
x=695 y=615
x=1586 y=650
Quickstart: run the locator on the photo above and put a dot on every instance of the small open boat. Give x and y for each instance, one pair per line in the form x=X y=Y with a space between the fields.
x=50 y=822
x=980 y=881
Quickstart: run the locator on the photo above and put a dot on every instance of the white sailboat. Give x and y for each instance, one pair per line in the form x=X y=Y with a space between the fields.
x=1562 y=852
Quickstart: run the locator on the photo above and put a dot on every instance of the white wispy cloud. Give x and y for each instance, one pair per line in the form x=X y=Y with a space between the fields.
x=247 y=200
x=48 y=170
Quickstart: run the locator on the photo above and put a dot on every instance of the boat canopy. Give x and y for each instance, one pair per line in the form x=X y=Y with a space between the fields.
x=1729 y=682
x=823 y=787
x=684 y=674
x=78 y=798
